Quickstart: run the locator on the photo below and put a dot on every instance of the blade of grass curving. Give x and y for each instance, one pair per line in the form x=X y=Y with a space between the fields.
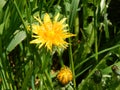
x=83 y=71
x=91 y=73
x=50 y=3
x=73 y=11
x=100 y=52
x=14 y=2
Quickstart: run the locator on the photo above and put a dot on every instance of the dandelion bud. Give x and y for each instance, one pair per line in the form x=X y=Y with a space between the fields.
x=65 y=75
x=97 y=76
x=116 y=69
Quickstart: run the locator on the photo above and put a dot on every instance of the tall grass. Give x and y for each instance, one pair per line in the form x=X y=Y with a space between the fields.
x=96 y=46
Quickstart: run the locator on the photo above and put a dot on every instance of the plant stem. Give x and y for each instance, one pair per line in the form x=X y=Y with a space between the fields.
x=95 y=30
x=60 y=58
x=32 y=82
x=72 y=64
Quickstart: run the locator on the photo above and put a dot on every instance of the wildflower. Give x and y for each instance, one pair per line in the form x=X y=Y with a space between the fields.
x=50 y=33
x=65 y=75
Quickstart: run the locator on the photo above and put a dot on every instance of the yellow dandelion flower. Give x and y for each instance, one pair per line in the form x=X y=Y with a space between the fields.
x=64 y=76
x=50 y=33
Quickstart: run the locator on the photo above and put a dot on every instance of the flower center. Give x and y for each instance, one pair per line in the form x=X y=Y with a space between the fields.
x=52 y=33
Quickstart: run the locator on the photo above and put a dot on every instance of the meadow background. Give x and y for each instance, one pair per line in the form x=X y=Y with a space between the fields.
x=93 y=55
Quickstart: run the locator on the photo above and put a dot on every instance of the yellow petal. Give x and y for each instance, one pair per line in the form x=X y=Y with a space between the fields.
x=41 y=45
x=49 y=45
x=63 y=20
x=38 y=19
x=64 y=26
x=35 y=41
x=56 y=17
x=47 y=18
x=47 y=22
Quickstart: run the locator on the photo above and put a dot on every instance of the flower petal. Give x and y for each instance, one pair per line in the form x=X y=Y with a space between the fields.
x=47 y=19
x=41 y=45
x=35 y=41
x=38 y=19
x=47 y=22
x=56 y=17
x=63 y=20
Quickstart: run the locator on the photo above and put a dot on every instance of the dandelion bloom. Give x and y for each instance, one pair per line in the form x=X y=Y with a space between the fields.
x=50 y=33
x=65 y=75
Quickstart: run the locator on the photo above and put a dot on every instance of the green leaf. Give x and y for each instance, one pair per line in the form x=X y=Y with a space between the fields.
x=1 y=28
x=108 y=69
x=2 y=3
x=17 y=39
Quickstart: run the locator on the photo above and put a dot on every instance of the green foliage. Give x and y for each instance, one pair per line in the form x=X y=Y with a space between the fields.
x=96 y=46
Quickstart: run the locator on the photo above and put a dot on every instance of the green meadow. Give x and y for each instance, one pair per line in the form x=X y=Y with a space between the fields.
x=39 y=37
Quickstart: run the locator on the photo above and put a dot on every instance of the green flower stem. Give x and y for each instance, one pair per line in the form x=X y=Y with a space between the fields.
x=61 y=62
x=60 y=58
x=95 y=30
x=49 y=79
x=96 y=45
x=72 y=64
